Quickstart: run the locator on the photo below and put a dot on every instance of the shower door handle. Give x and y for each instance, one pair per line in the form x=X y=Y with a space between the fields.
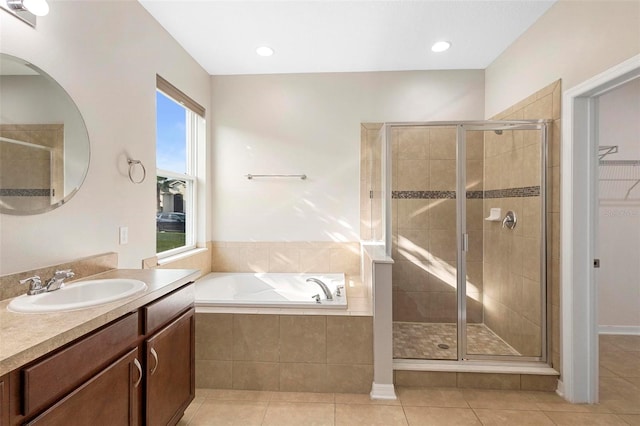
x=465 y=242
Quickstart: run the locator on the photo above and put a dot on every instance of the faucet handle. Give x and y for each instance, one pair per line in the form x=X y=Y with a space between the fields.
x=316 y=297
x=339 y=290
x=35 y=284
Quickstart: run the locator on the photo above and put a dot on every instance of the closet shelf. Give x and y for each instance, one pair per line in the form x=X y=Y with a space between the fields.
x=620 y=176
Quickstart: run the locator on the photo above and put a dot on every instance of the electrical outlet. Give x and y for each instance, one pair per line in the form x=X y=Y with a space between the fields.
x=124 y=235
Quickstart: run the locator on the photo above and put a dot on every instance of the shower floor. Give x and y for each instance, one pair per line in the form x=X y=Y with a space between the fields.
x=416 y=340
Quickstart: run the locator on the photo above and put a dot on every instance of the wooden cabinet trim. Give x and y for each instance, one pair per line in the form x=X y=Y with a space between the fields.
x=167 y=308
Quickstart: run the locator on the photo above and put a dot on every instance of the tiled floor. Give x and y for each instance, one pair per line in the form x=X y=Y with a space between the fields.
x=417 y=340
x=619 y=394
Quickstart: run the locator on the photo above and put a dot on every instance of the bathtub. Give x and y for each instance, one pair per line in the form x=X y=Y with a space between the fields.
x=268 y=290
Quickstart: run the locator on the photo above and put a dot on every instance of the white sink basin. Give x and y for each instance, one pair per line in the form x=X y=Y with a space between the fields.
x=82 y=294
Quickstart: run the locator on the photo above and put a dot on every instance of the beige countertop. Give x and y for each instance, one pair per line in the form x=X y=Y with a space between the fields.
x=26 y=337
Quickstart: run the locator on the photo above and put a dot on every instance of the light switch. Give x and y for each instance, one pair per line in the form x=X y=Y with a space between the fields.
x=124 y=235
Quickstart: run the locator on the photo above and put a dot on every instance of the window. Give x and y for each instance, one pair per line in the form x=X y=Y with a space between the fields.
x=179 y=131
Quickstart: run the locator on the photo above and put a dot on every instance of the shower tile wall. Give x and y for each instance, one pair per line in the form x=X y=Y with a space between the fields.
x=512 y=259
x=424 y=226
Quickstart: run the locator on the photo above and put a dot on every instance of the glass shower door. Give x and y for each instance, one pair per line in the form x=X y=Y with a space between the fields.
x=504 y=269
x=464 y=285
x=424 y=242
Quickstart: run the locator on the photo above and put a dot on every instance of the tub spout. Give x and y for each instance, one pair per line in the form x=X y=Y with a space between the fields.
x=323 y=286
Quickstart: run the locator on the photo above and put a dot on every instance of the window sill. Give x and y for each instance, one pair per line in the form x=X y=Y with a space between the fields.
x=182 y=255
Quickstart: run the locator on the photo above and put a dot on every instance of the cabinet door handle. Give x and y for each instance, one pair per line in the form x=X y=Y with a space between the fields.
x=155 y=357
x=139 y=367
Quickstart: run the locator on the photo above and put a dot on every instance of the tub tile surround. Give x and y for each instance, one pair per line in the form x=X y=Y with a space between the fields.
x=298 y=353
x=309 y=256
x=10 y=284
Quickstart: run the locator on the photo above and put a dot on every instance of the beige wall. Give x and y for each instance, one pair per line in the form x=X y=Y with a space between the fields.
x=310 y=123
x=105 y=55
x=572 y=41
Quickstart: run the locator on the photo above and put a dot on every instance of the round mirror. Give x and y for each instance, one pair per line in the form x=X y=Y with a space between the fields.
x=44 y=145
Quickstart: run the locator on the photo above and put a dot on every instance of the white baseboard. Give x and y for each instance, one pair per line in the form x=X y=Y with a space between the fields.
x=380 y=391
x=619 y=329
x=560 y=388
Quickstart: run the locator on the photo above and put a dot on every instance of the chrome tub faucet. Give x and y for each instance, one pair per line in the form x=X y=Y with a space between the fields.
x=323 y=286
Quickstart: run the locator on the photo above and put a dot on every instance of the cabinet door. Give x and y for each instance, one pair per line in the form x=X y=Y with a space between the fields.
x=112 y=397
x=170 y=377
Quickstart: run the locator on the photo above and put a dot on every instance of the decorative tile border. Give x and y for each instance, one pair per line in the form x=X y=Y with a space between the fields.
x=424 y=195
x=17 y=192
x=527 y=191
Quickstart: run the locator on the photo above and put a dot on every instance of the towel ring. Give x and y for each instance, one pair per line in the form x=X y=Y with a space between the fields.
x=132 y=165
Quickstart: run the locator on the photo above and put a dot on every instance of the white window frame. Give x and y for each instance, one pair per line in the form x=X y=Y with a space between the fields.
x=195 y=123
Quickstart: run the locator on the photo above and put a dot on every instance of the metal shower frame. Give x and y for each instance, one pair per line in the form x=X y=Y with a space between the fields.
x=461 y=201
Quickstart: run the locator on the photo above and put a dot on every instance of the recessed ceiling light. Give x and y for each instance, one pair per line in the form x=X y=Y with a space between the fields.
x=264 y=51
x=440 y=46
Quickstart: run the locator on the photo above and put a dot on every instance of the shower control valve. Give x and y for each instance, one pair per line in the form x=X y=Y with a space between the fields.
x=509 y=220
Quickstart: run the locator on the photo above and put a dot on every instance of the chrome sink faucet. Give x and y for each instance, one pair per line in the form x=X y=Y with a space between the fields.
x=323 y=286
x=57 y=281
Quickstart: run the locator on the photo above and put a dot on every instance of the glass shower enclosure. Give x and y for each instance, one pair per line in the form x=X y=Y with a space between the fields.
x=461 y=209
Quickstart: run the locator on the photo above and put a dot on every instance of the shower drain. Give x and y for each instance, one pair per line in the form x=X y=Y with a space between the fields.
x=443 y=346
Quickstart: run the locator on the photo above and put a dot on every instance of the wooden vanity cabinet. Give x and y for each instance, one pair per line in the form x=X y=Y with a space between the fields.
x=139 y=369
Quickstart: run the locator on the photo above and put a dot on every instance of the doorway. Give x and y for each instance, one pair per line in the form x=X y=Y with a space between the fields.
x=579 y=237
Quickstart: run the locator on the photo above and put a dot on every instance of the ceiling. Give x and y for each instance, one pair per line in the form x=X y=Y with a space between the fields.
x=344 y=36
